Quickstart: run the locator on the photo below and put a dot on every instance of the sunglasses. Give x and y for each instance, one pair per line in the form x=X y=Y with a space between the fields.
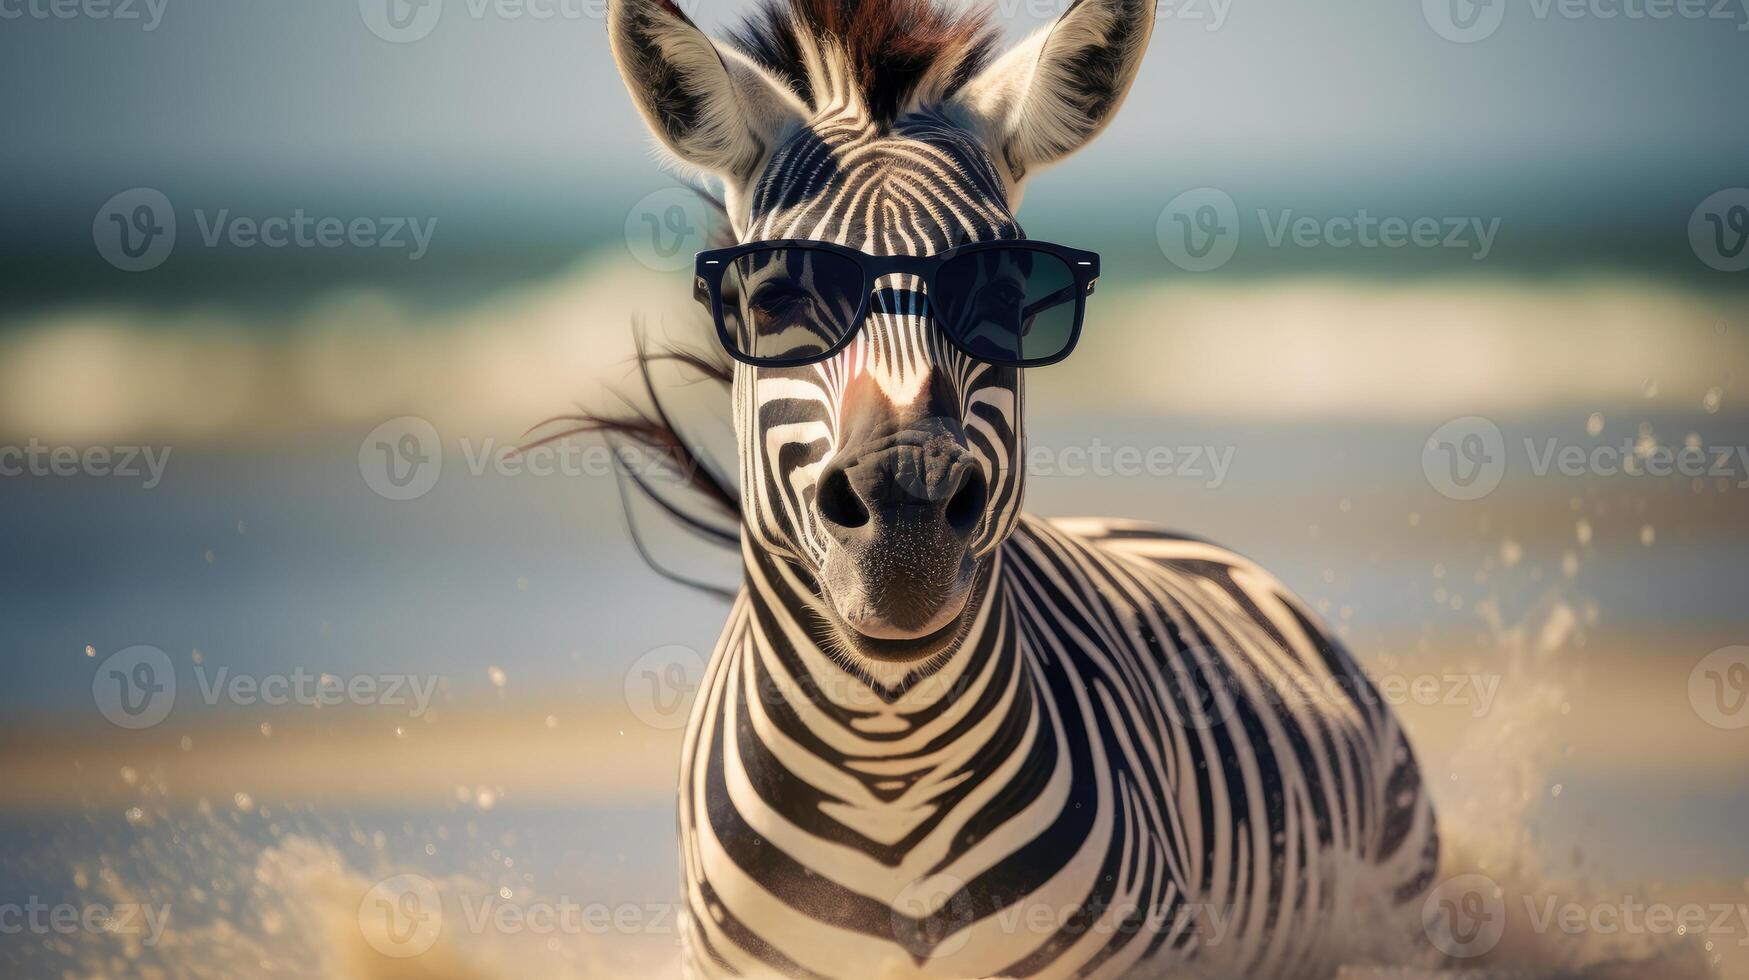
x=787 y=303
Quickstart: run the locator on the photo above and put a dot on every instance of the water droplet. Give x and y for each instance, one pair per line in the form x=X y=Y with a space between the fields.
x=1713 y=398
x=90 y=651
x=1583 y=531
x=129 y=776
x=244 y=801
x=1510 y=552
x=496 y=674
x=1594 y=424
x=135 y=815
x=1648 y=535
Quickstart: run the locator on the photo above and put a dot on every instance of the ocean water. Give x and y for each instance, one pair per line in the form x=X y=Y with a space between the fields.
x=1566 y=618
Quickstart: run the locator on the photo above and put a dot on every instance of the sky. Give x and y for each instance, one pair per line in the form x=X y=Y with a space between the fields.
x=1593 y=136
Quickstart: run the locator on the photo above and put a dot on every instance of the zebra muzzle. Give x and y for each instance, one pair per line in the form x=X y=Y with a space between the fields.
x=901 y=512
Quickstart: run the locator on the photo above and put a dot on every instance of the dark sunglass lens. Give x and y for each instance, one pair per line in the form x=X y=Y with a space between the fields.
x=1008 y=304
x=790 y=303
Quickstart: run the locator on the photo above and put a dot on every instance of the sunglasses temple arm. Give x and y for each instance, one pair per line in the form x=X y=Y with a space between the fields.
x=1060 y=296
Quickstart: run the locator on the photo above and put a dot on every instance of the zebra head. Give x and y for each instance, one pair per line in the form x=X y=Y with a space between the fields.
x=889 y=472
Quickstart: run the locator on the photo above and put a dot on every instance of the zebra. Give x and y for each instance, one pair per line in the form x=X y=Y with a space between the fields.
x=939 y=736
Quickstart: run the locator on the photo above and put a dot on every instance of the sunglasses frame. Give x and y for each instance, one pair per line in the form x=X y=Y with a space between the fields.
x=710 y=266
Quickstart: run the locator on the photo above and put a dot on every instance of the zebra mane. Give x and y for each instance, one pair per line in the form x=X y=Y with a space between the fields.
x=890 y=55
x=708 y=502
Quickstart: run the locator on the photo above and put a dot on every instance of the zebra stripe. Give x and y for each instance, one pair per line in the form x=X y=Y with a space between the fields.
x=836 y=823
x=1131 y=751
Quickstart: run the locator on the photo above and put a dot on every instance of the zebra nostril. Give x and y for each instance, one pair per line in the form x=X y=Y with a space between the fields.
x=838 y=503
x=967 y=505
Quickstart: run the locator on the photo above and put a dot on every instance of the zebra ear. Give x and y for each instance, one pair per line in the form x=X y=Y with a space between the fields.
x=712 y=107
x=1052 y=93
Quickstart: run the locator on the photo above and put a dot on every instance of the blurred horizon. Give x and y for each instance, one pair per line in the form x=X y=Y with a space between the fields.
x=1580 y=293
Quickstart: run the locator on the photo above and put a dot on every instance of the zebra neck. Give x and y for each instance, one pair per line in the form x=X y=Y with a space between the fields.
x=793 y=617
x=889 y=755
